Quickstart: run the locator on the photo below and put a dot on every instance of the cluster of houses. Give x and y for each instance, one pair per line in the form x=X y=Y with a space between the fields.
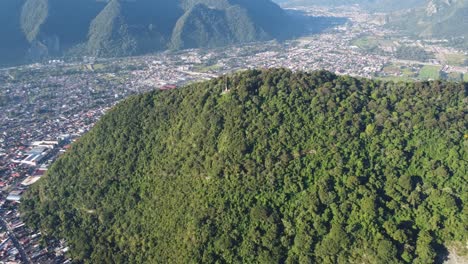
x=20 y=244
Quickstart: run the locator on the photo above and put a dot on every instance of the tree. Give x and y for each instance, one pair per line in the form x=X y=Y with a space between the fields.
x=195 y=175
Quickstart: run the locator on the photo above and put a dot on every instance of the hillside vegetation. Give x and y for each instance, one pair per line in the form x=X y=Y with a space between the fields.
x=438 y=18
x=281 y=168
x=207 y=27
x=131 y=27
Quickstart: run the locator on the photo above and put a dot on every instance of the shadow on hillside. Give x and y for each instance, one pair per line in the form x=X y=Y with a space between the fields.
x=442 y=254
x=316 y=25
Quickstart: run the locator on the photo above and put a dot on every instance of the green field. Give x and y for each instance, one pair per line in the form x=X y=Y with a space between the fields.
x=408 y=72
x=392 y=69
x=429 y=72
x=465 y=77
x=398 y=72
x=206 y=68
x=98 y=66
x=366 y=43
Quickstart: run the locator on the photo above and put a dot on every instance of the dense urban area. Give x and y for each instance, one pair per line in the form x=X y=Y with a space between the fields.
x=45 y=107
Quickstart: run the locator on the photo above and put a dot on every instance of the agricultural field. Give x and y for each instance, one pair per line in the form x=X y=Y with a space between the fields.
x=429 y=72
x=398 y=72
x=401 y=72
x=366 y=43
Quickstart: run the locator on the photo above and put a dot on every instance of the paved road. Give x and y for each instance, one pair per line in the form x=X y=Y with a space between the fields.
x=24 y=256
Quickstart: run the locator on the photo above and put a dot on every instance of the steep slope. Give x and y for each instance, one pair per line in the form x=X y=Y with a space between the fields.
x=206 y=21
x=33 y=16
x=282 y=168
x=64 y=22
x=202 y=26
x=110 y=28
x=449 y=18
x=217 y=23
x=108 y=34
x=48 y=26
x=132 y=27
x=270 y=17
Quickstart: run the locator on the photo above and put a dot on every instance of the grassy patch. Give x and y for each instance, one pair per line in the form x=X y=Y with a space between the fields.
x=408 y=72
x=392 y=69
x=98 y=66
x=429 y=72
x=366 y=43
x=465 y=77
x=397 y=72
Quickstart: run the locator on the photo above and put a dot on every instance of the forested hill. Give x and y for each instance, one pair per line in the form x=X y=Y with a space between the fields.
x=41 y=29
x=280 y=168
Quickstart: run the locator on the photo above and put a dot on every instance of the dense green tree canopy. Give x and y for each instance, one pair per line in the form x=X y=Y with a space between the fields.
x=281 y=168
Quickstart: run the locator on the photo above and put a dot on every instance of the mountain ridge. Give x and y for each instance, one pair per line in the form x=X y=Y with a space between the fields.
x=438 y=19
x=123 y=27
x=222 y=28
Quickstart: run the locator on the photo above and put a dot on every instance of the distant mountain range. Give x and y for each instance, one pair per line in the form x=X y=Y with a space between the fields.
x=373 y=5
x=422 y=18
x=38 y=29
x=438 y=18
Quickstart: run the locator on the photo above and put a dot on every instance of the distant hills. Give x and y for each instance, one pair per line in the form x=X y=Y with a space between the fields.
x=421 y=18
x=438 y=18
x=208 y=27
x=373 y=5
x=40 y=29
